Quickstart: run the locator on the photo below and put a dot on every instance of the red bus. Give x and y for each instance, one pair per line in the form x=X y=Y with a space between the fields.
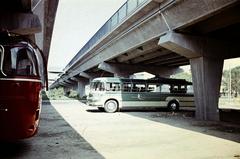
x=22 y=77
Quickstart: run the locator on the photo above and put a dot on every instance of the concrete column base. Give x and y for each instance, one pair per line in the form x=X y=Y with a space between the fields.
x=66 y=91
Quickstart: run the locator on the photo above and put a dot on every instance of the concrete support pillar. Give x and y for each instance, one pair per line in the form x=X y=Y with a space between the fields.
x=81 y=87
x=206 y=58
x=66 y=91
x=206 y=75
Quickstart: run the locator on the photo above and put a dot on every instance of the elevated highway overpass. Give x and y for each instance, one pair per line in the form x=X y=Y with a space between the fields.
x=158 y=36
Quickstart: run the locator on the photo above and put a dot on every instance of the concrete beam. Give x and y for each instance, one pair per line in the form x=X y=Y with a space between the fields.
x=162 y=58
x=69 y=81
x=194 y=46
x=74 y=79
x=114 y=69
x=150 y=56
x=128 y=69
x=180 y=44
x=147 y=48
x=181 y=63
x=21 y=23
x=86 y=75
x=65 y=84
x=172 y=61
x=108 y=67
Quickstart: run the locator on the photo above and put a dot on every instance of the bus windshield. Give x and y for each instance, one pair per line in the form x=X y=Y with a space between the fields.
x=97 y=86
x=20 y=60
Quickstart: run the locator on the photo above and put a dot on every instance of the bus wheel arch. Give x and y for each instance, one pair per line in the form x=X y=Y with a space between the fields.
x=173 y=105
x=111 y=106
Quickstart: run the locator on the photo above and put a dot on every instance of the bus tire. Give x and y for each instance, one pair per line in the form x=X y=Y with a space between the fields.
x=173 y=105
x=111 y=106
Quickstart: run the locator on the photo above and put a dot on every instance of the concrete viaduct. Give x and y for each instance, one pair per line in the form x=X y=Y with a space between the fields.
x=31 y=18
x=158 y=36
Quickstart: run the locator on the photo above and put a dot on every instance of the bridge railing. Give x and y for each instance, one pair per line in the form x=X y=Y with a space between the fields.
x=121 y=14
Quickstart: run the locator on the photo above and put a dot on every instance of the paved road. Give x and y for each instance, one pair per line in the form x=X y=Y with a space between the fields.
x=74 y=130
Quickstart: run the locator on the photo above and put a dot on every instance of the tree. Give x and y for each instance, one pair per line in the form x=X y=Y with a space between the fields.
x=235 y=80
x=183 y=75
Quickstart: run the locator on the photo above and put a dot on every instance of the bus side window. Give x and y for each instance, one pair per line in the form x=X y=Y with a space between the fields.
x=189 y=89
x=113 y=87
x=174 y=89
x=127 y=87
x=165 y=88
x=101 y=86
x=152 y=88
x=141 y=87
x=108 y=86
x=183 y=89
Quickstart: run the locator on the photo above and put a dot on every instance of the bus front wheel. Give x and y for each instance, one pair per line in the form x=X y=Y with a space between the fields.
x=111 y=106
x=173 y=105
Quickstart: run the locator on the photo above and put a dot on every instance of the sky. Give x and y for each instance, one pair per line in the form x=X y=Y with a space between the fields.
x=76 y=22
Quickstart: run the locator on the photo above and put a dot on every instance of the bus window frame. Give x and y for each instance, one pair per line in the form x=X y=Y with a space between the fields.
x=1 y=60
x=113 y=86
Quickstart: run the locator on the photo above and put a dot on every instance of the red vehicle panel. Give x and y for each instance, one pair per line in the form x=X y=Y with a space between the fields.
x=19 y=108
x=21 y=81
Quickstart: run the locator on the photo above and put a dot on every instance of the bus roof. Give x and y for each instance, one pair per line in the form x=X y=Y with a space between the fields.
x=151 y=80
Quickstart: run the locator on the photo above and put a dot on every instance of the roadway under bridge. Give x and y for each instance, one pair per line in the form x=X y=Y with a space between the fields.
x=158 y=36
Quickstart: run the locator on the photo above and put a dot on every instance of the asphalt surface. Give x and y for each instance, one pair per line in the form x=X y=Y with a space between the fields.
x=72 y=130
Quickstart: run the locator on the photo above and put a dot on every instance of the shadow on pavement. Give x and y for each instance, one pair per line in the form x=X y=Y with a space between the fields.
x=95 y=111
x=185 y=119
x=55 y=139
x=13 y=149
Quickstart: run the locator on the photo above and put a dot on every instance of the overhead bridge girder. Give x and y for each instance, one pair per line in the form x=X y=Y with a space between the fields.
x=20 y=23
x=124 y=70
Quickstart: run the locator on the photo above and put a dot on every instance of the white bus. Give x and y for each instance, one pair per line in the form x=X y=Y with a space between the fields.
x=112 y=94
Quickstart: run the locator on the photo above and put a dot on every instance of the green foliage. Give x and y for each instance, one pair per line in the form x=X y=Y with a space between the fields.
x=183 y=75
x=59 y=94
x=73 y=94
x=54 y=94
x=235 y=80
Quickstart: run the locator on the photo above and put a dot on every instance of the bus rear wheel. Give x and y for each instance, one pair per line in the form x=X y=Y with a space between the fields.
x=111 y=106
x=173 y=105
